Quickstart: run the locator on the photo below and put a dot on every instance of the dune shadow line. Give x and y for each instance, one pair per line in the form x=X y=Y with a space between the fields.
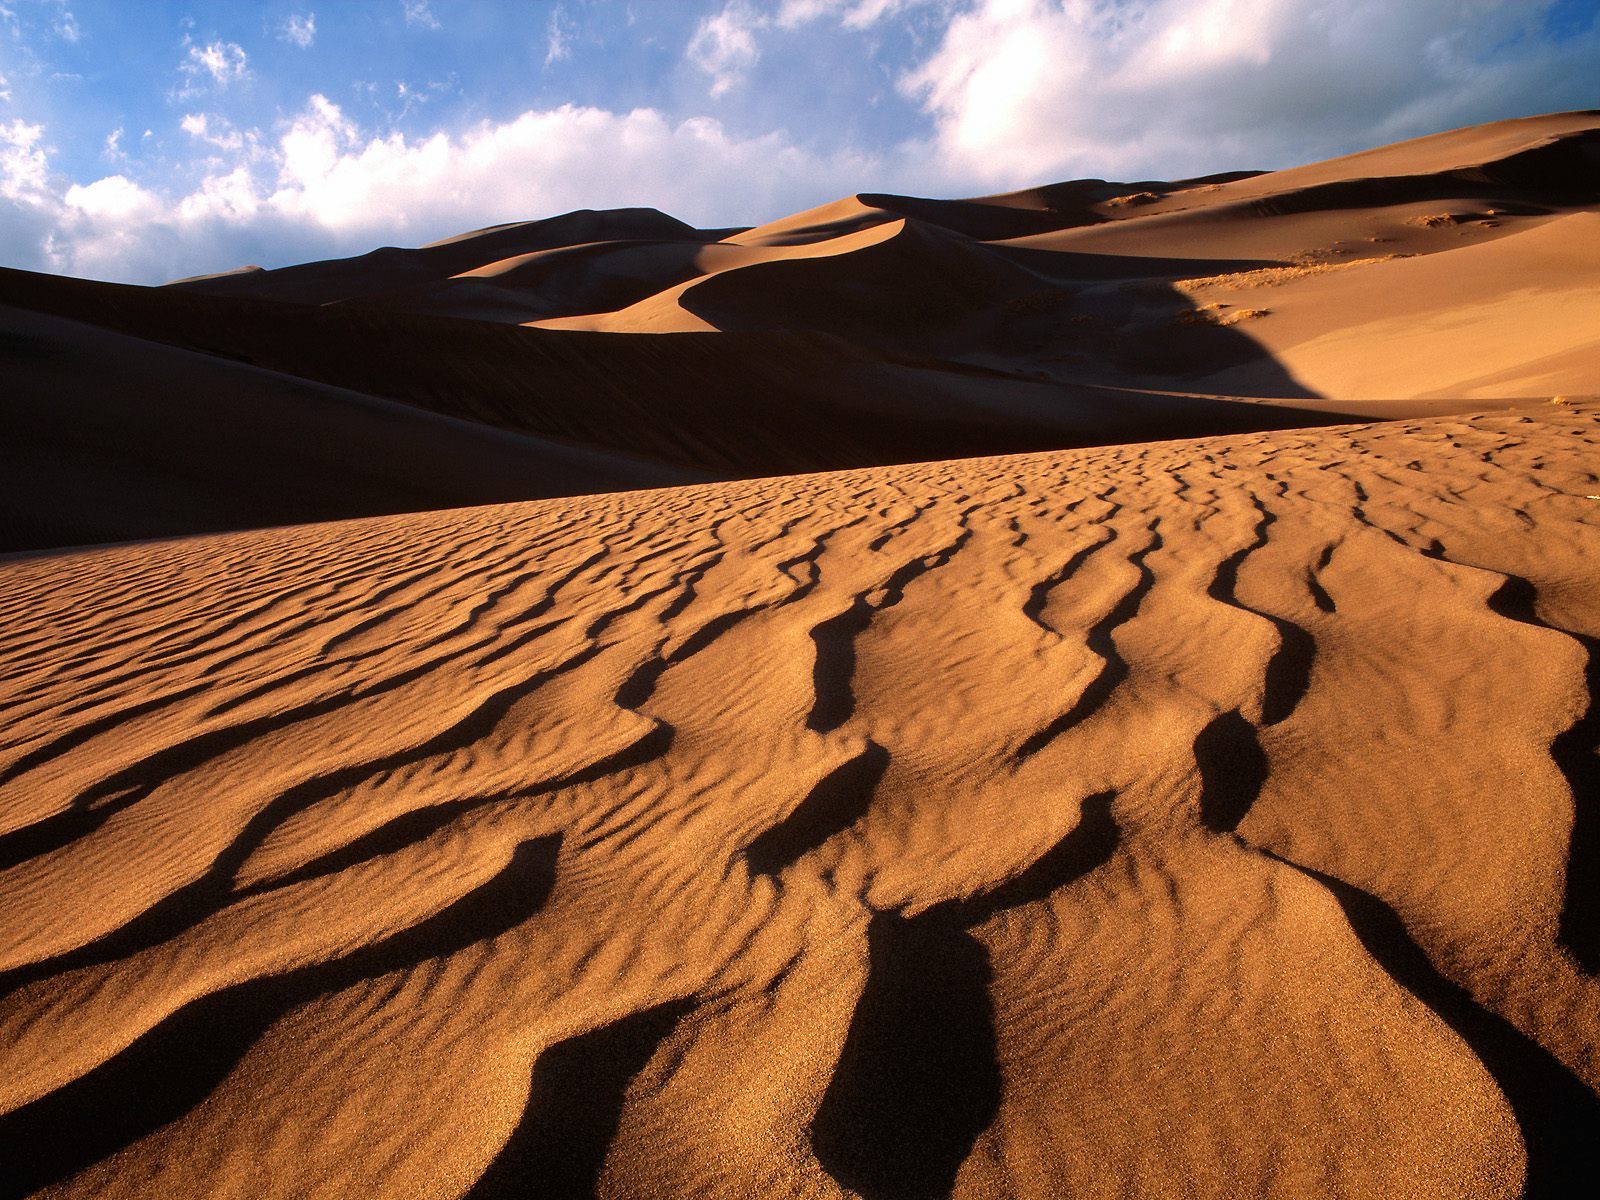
x=918 y=1081
x=1101 y=640
x=574 y=1107
x=1558 y=1115
x=173 y=1067
x=1575 y=754
x=1233 y=770
x=836 y=802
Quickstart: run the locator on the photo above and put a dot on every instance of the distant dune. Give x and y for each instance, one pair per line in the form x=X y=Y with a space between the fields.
x=634 y=349
x=1197 y=807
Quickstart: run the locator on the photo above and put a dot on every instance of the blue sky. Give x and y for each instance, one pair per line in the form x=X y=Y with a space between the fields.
x=142 y=141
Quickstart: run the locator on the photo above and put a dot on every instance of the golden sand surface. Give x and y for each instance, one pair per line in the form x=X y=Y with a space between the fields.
x=1206 y=818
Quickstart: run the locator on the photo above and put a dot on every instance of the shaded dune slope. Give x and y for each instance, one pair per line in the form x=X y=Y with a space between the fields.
x=1443 y=274
x=1087 y=823
x=667 y=408
x=111 y=438
x=393 y=268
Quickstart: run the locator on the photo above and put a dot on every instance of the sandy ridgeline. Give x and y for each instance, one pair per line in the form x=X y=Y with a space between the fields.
x=1210 y=818
x=603 y=351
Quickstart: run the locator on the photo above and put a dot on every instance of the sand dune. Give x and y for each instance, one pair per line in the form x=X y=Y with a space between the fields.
x=883 y=328
x=1084 y=823
x=110 y=438
x=681 y=406
x=1053 y=741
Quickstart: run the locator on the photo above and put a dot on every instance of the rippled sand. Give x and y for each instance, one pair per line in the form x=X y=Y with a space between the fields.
x=1209 y=818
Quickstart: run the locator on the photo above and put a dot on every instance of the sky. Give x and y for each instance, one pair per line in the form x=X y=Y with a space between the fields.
x=144 y=140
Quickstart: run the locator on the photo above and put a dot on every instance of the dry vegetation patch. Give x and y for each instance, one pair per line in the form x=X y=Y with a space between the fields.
x=1275 y=276
x=1216 y=313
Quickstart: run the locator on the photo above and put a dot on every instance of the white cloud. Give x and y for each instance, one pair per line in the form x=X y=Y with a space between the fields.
x=223 y=62
x=24 y=162
x=300 y=30
x=221 y=134
x=113 y=148
x=115 y=197
x=326 y=187
x=724 y=45
x=5 y=88
x=1021 y=91
x=539 y=163
x=66 y=27
x=418 y=14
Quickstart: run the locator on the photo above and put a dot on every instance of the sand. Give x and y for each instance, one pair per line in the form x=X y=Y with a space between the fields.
x=1454 y=273
x=1195 y=818
x=1207 y=816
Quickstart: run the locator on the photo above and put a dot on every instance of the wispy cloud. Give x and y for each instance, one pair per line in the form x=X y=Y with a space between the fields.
x=24 y=161
x=418 y=14
x=300 y=30
x=724 y=45
x=559 y=32
x=215 y=131
x=222 y=63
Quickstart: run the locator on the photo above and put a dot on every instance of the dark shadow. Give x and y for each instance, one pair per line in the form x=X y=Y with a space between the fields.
x=174 y=1066
x=837 y=801
x=849 y=380
x=1288 y=672
x=1101 y=642
x=1575 y=755
x=574 y=1107
x=1319 y=594
x=834 y=668
x=1089 y=845
x=1232 y=771
x=1558 y=1115
x=917 y=1081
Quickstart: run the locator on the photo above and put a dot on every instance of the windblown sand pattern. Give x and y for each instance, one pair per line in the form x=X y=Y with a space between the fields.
x=1212 y=818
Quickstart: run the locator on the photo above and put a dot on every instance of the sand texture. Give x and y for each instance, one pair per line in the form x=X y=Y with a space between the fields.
x=1211 y=818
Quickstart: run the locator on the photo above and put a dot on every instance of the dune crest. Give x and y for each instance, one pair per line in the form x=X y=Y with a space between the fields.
x=625 y=347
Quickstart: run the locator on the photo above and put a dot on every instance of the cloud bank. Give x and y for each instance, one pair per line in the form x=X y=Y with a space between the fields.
x=1024 y=90
x=996 y=94
x=327 y=187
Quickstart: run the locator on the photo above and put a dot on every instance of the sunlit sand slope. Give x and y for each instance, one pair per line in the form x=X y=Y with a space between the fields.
x=1211 y=818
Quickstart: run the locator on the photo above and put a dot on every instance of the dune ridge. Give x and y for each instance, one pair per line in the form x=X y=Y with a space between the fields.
x=1077 y=823
x=621 y=348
